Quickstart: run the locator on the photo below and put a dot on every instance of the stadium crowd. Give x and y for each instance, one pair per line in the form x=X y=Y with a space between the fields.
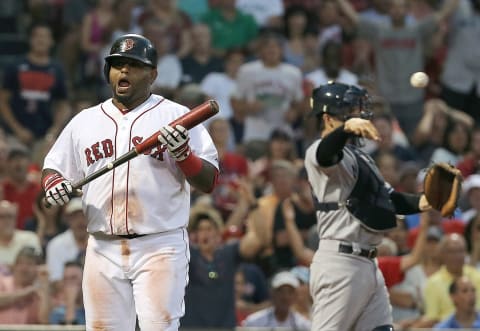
x=260 y=59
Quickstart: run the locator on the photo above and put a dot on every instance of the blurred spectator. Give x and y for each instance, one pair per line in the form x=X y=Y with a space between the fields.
x=230 y=27
x=471 y=160
x=399 y=45
x=11 y=239
x=269 y=217
x=221 y=85
x=281 y=315
x=300 y=45
x=463 y=294
x=461 y=72
x=177 y=24
x=190 y=95
x=471 y=193
x=269 y=91
x=25 y=292
x=195 y=9
x=200 y=61
x=33 y=100
x=388 y=165
x=472 y=238
x=95 y=33
x=379 y=13
x=387 y=143
x=430 y=130
x=438 y=305
x=69 y=245
x=332 y=67
x=46 y=222
x=413 y=284
x=399 y=234
x=71 y=311
x=407 y=177
x=251 y=291
x=17 y=187
x=303 y=303
x=168 y=65
x=267 y=14
x=210 y=293
x=124 y=22
x=330 y=25
x=233 y=167
x=455 y=144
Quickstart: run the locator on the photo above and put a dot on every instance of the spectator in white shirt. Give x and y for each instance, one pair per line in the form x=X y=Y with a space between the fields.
x=281 y=315
x=69 y=245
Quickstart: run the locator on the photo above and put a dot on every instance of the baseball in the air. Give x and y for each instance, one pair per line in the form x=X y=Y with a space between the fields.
x=110 y=165
x=419 y=79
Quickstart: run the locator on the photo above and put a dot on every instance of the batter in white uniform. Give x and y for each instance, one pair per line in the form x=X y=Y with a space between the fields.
x=137 y=255
x=354 y=208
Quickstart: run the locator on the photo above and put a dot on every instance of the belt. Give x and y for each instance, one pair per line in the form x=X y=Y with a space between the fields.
x=104 y=236
x=130 y=236
x=347 y=248
x=368 y=253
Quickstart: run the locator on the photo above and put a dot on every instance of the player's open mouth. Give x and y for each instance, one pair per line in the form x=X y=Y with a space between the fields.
x=123 y=85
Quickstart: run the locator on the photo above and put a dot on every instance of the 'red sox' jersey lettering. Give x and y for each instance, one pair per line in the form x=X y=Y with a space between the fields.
x=104 y=149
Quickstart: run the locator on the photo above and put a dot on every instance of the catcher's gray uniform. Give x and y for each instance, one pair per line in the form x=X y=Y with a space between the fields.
x=348 y=289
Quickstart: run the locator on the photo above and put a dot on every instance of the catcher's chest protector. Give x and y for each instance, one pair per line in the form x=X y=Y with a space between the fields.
x=370 y=199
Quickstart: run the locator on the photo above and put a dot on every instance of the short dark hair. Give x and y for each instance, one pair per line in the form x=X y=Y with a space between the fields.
x=15 y=153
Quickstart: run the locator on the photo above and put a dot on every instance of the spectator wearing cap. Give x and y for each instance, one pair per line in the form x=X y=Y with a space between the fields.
x=210 y=293
x=12 y=239
x=463 y=295
x=303 y=303
x=25 y=295
x=283 y=287
x=413 y=283
x=17 y=187
x=471 y=193
x=69 y=245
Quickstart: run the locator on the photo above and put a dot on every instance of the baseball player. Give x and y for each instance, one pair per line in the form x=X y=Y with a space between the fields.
x=355 y=206
x=137 y=255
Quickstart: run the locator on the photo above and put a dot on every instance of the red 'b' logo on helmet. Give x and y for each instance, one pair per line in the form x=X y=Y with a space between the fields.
x=128 y=44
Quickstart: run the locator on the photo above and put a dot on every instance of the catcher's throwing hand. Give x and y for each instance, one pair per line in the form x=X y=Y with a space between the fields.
x=362 y=128
x=442 y=187
x=176 y=141
x=57 y=189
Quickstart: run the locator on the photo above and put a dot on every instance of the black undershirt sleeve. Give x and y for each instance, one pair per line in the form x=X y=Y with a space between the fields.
x=405 y=203
x=329 y=151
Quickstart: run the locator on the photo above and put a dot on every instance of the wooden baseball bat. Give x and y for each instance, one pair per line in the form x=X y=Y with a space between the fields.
x=188 y=120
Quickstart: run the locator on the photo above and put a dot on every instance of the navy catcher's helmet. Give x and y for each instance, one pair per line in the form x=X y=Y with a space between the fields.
x=338 y=99
x=132 y=46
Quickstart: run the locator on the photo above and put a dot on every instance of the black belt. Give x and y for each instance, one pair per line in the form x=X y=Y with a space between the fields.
x=130 y=236
x=368 y=253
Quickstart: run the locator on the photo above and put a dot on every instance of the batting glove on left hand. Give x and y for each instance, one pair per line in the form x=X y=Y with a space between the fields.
x=176 y=141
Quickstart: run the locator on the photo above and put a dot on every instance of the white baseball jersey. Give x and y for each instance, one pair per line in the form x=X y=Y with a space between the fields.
x=148 y=194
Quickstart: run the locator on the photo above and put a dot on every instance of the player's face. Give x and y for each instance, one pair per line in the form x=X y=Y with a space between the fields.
x=130 y=81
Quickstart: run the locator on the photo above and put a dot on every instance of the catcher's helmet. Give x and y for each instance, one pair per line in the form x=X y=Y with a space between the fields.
x=131 y=46
x=338 y=99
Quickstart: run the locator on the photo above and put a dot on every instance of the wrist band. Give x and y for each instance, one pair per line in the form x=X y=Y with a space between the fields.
x=191 y=166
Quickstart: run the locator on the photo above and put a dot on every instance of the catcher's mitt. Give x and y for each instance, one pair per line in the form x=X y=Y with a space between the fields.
x=442 y=187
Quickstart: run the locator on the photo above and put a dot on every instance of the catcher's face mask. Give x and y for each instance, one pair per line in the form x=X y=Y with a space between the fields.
x=359 y=104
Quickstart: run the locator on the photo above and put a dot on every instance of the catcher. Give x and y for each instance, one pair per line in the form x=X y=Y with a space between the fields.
x=442 y=186
x=355 y=207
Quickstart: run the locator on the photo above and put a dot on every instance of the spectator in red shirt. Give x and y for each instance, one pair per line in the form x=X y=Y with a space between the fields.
x=17 y=188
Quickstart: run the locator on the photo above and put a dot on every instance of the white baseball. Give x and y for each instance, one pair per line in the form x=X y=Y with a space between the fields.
x=419 y=79
x=110 y=165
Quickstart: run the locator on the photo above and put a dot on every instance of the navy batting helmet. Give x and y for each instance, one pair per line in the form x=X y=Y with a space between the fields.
x=338 y=99
x=132 y=46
